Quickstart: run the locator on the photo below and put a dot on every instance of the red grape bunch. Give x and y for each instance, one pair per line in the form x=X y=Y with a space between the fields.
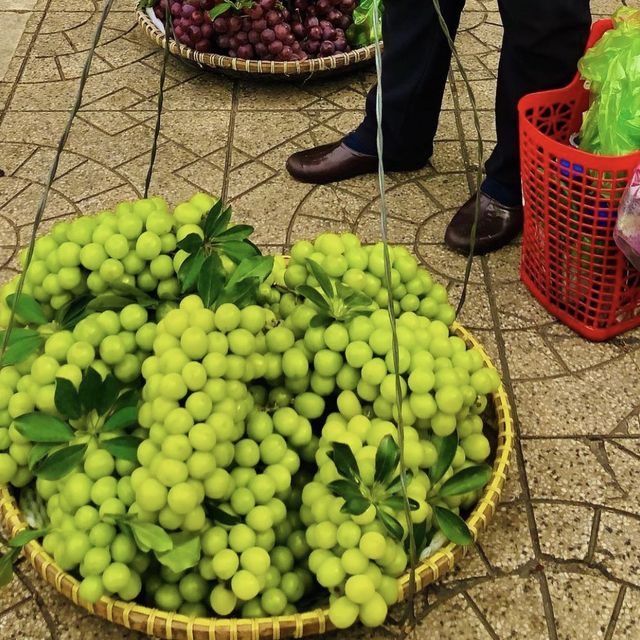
x=264 y=29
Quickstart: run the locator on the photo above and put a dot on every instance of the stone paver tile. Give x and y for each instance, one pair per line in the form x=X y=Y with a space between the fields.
x=591 y=403
x=577 y=353
x=12 y=594
x=24 y=622
x=573 y=594
x=564 y=530
x=452 y=618
x=518 y=309
x=444 y=264
x=568 y=469
x=628 y=623
x=13 y=25
x=513 y=607
x=471 y=566
x=17 y=5
x=618 y=546
x=507 y=542
x=530 y=357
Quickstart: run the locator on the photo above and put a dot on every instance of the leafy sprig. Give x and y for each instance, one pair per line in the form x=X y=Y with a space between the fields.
x=97 y=407
x=9 y=558
x=334 y=299
x=385 y=494
x=223 y=7
x=203 y=270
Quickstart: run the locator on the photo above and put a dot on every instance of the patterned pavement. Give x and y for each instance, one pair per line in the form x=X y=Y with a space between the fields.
x=561 y=559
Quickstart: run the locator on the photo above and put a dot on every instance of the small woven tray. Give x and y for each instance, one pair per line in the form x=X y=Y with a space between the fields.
x=174 y=626
x=265 y=69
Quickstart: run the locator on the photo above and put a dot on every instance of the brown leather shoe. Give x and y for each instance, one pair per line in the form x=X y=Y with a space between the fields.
x=497 y=225
x=330 y=163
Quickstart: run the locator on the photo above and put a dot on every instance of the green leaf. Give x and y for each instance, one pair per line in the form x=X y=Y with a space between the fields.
x=185 y=553
x=319 y=320
x=6 y=566
x=218 y=10
x=121 y=419
x=345 y=462
x=41 y=427
x=237 y=232
x=446 y=452
x=218 y=515
x=357 y=300
x=190 y=270
x=387 y=458
x=27 y=308
x=217 y=220
x=191 y=243
x=453 y=526
x=211 y=279
x=67 y=399
x=21 y=349
x=419 y=537
x=466 y=480
x=148 y=536
x=71 y=313
x=138 y=295
x=397 y=503
x=107 y=301
x=108 y=395
x=256 y=267
x=128 y=398
x=321 y=276
x=239 y=250
x=391 y=524
x=39 y=451
x=356 y=506
x=396 y=484
x=345 y=489
x=122 y=447
x=61 y=462
x=26 y=535
x=17 y=334
x=90 y=389
x=239 y=292
x=313 y=295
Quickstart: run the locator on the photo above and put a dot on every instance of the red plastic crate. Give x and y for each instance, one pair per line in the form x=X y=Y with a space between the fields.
x=570 y=261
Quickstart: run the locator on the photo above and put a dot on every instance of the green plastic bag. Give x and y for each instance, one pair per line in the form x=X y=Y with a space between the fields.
x=611 y=126
x=363 y=31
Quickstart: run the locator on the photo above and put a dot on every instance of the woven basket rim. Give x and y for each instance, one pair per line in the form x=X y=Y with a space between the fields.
x=176 y=626
x=265 y=68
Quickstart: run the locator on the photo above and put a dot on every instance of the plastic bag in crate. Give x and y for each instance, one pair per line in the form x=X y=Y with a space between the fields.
x=627 y=230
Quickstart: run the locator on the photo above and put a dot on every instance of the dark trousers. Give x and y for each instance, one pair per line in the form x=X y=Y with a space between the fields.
x=542 y=42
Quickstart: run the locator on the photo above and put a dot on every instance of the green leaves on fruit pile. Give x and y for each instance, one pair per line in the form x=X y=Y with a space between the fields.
x=96 y=410
x=203 y=270
x=385 y=496
x=334 y=300
x=8 y=559
x=178 y=551
x=223 y=7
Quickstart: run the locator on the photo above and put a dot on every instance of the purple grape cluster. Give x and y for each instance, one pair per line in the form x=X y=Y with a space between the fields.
x=266 y=30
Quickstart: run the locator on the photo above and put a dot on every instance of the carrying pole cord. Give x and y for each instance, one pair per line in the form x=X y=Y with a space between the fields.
x=54 y=168
x=480 y=156
x=163 y=75
x=409 y=618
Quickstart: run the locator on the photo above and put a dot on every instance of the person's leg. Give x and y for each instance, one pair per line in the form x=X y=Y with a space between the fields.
x=415 y=64
x=541 y=46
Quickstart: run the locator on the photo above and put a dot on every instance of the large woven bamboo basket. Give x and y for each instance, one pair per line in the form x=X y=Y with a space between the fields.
x=173 y=626
x=264 y=69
